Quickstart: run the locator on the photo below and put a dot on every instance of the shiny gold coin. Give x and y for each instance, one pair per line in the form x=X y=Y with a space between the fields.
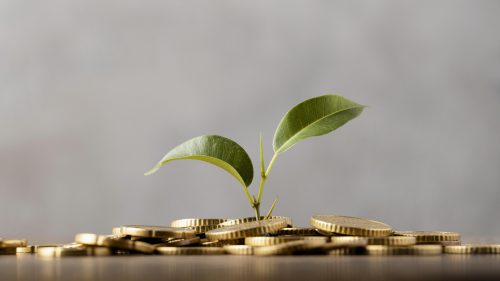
x=129 y=245
x=392 y=240
x=217 y=243
x=473 y=249
x=402 y=250
x=442 y=243
x=26 y=250
x=252 y=219
x=60 y=252
x=426 y=250
x=203 y=228
x=430 y=236
x=148 y=240
x=180 y=242
x=352 y=243
x=255 y=228
x=157 y=231
x=293 y=247
x=13 y=243
x=298 y=231
x=386 y=250
x=190 y=250
x=275 y=240
x=348 y=239
x=242 y=250
x=97 y=251
x=196 y=222
x=350 y=226
x=90 y=239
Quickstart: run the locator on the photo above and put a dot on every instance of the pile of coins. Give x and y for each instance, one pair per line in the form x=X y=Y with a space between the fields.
x=328 y=235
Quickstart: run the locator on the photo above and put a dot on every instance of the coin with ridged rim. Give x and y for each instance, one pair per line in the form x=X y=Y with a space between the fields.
x=252 y=219
x=391 y=240
x=274 y=240
x=347 y=239
x=157 y=231
x=350 y=225
x=293 y=247
x=217 y=243
x=243 y=250
x=195 y=222
x=129 y=245
x=298 y=231
x=473 y=249
x=255 y=228
x=203 y=228
x=180 y=242
x=190 y=250
x=404 y=250
x=430 y=236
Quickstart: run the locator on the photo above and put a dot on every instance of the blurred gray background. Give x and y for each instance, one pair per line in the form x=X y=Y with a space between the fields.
x=94 y=93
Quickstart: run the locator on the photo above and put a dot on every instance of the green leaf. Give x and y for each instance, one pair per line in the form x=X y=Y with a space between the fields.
x=217 y=150
x=314 y=117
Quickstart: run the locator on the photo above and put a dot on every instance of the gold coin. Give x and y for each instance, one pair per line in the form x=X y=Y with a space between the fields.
x=430 y=236
x=402 y=250
x=442 y=243
x=217 y=243
x=274 y=240
x=392 y=240
x=190 y=250
x=426 y=249
x=157 y=231
x=387 y=250
x=90 y=239
x=13 y=243
x=293 y=247
x=129 y=245
x=473 y=249
x=252 y=219
x=153 y=241
x=242 y=250
x=26 y=250
x=60 y=252
x=350 y=226
x=348 y=239
x=180 y=242
x=196 y=222
x=243 y=230
x=298 y=231
x=202 y=228
x=97 y=251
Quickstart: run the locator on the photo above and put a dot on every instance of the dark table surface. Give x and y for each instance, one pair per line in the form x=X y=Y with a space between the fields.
x=445 y=267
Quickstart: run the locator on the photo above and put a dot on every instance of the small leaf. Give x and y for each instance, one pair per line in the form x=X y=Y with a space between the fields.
x=217 y=150
x=314 y=117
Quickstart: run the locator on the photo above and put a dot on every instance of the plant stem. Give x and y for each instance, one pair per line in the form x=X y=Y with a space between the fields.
x=264 y=177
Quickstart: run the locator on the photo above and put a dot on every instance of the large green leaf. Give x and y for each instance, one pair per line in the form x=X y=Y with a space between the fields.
x=216 y=150
x=314 y=117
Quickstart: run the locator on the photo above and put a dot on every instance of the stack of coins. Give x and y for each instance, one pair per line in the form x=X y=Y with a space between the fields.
x=328 y=235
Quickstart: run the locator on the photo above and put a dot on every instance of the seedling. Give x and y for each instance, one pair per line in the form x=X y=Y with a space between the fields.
x=310 y=118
